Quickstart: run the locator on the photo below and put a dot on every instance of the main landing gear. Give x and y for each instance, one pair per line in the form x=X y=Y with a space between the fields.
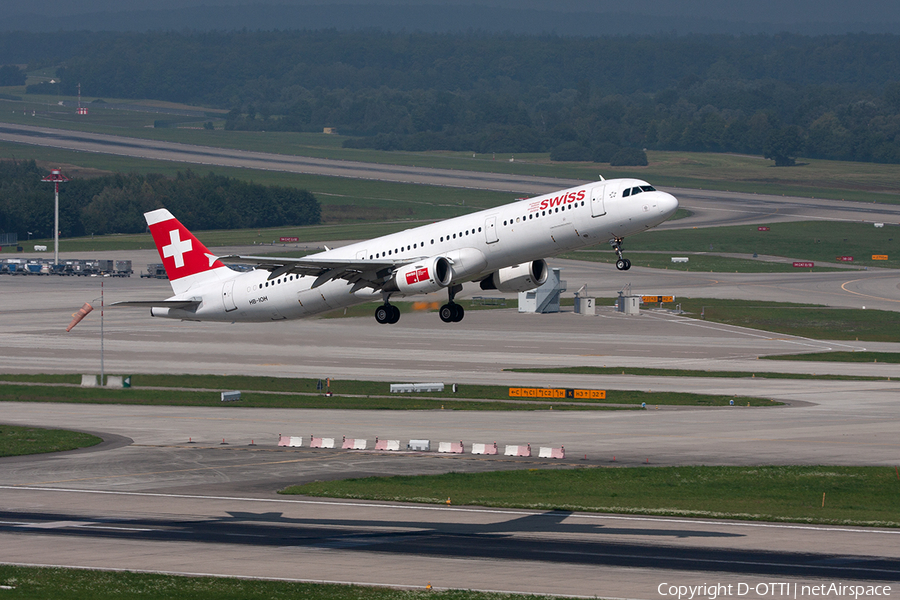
x=452 y=312
x=623 y=264
x=387 y=313
x=449 y=313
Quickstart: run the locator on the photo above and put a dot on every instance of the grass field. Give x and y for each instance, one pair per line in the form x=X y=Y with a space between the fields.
x=816 y=241
x=18 y=441
x=811 y=321
x=43 y=583
x=279 y=392
x=866 y=182
x=853 y=495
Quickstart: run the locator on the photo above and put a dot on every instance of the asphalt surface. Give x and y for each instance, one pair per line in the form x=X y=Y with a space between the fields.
x=161 y=503
x=164 y=504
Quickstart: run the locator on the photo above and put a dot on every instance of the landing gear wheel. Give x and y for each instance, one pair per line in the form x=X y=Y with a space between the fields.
x=460 y=313
x=383 y=313
x=447 y=312
x=395 y=314
x=387 y=313
x=621 y=264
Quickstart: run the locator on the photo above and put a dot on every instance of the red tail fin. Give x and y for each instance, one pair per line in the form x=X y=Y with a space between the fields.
x=182 y=254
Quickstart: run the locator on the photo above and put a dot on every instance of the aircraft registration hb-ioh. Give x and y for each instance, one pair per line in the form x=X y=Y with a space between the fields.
x=502 y=249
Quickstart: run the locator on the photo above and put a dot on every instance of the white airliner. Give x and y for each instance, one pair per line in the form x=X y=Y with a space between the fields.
x=502 y=248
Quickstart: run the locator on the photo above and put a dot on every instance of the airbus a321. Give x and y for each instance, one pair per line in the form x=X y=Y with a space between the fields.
x=501 y=248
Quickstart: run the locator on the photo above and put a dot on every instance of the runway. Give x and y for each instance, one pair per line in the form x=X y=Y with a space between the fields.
x=407 y=545
x=159 y=503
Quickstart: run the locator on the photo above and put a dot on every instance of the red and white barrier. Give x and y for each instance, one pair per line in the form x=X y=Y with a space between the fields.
x=484 y=448
x=451 y=447
x=290 y=441
x=518 y=450
x=318 y=442
x=353 y=444
x=546 y=452
x=387 y=444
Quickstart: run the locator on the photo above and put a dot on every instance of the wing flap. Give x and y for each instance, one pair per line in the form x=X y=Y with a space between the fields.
x=360 y=273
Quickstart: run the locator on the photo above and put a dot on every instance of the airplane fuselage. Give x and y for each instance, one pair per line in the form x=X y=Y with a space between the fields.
x=475 y=246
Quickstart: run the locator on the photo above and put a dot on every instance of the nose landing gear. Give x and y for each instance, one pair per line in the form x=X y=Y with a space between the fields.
x=623 y=264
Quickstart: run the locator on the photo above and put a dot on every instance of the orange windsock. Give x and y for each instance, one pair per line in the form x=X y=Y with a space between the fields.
x=77 y=317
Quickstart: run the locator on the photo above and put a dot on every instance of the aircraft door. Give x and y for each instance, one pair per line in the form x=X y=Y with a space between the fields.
x=361 y=255
x=490 y=229
x=598 y=206
x=228 y=296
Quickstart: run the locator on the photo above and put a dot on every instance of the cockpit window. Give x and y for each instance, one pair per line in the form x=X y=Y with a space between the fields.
x=626 y=193
x=635 y=191
x=648 y=188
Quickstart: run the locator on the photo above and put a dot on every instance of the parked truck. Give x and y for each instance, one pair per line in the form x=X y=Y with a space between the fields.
x=123 y=268
x=155 y=271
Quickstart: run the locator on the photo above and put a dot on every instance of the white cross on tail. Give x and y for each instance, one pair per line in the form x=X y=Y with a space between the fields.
x=177 y=248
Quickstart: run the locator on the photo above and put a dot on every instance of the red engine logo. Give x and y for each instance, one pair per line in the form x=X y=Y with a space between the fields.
x=416 y=276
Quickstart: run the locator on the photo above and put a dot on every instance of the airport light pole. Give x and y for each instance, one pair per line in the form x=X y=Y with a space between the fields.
x=56 y=177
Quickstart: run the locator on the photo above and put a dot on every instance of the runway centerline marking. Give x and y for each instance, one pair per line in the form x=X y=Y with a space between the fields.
x=867 y=295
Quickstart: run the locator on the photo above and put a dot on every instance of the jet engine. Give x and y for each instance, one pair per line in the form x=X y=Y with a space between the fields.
x=421 y=277
x=517 y=278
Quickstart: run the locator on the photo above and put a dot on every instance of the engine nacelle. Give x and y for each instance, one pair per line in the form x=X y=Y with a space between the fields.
x=421 y=277
x=517 y=278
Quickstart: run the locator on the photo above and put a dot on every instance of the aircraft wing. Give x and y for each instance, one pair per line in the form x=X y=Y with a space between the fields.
x=360 y=273
x=158 y=303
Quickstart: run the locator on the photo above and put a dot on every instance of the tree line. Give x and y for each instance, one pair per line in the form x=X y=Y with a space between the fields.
x=117 y=203
x=576 y=97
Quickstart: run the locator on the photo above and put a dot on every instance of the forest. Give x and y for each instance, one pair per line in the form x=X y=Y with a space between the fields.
x=579 y=98
x=117 y=203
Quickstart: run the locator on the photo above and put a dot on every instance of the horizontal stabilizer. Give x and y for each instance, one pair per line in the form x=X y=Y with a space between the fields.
x=158 y=303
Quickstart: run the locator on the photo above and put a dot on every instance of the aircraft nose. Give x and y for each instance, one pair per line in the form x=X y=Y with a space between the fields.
x=668 y=204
